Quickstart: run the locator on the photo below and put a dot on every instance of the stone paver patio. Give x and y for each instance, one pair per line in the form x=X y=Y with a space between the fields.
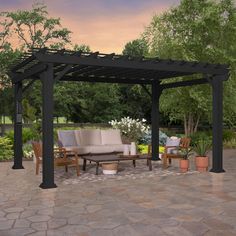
x=132 y=203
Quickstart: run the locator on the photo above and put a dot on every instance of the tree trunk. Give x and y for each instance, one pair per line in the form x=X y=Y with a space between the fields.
x=191 y=124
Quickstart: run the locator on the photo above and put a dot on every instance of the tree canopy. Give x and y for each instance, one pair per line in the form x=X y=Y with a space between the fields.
x=34 y=28
x=196 y=31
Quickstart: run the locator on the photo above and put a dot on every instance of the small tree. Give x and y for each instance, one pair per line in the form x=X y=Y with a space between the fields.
x=34 y=28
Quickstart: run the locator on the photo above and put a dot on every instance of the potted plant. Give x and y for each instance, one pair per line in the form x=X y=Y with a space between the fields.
x=184 y=162
x=202 y=160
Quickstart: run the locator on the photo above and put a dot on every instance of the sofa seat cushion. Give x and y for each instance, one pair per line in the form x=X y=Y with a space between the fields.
x=97 y=149
x=117 y=147
x=89 y=137
x=67 y=138
x=111 y=136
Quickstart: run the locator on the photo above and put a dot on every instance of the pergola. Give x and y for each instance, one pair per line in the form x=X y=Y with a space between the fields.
x=50 y=66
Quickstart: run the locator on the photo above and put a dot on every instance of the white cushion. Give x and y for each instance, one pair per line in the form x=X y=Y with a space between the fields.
x=78 y=137
x=111 y=136
x=67 y=138
x=93 y=149
x=90 y=137
x=173 y=142
x=118 y=147
x=97 y=149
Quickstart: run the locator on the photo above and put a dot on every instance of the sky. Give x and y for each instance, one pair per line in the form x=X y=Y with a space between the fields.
x=104 y=25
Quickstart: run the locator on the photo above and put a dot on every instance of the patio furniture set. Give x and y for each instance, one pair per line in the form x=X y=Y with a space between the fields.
x=100 y=146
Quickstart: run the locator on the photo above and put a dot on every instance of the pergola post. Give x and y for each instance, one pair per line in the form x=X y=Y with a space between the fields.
x=217 y=150
x=156 y=92
x=47 y=128
x=18 y=152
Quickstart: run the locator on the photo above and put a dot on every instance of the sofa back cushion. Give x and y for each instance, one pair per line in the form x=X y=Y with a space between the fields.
x=77 y=137
x=67 y=138
x=111 y=136
x=90 y=137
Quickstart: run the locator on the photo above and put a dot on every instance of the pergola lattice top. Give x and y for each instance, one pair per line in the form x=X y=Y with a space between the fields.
x=109 y=68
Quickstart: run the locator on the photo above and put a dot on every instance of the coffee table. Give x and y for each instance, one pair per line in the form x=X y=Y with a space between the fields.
x=114 y=157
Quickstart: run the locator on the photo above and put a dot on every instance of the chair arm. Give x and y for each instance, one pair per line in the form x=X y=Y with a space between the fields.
x=74 y=153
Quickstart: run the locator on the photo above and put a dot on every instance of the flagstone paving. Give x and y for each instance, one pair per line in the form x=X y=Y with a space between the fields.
x=134 y=202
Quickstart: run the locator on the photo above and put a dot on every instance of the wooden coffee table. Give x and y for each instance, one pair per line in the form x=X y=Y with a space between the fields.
x=114 y=157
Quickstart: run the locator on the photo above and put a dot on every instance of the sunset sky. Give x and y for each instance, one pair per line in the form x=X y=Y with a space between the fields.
x=104 y=25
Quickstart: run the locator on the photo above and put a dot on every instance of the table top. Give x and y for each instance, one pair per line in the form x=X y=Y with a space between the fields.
x=114 y=157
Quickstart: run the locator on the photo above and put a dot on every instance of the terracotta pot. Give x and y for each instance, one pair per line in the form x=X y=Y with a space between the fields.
x=184 y=165
x=202 y=163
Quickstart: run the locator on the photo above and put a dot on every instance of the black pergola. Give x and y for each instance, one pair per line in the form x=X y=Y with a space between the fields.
x=50 y=66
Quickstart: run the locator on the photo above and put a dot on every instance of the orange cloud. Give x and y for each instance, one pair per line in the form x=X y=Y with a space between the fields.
x=108 y=33
x=103 y=29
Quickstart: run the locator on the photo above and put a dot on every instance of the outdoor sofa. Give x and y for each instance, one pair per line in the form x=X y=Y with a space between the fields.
x=91 y=141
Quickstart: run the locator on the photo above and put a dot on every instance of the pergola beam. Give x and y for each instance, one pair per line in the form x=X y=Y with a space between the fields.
x=23 y=63
x=184 y=83
x=105 y=80
x=146 y=90
x=36 y=69
x=159 y=65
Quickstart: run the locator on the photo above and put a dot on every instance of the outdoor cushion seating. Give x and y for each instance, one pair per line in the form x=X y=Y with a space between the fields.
x=91 y=141
x=173 y=149
x=62 y=157
x=172 y=143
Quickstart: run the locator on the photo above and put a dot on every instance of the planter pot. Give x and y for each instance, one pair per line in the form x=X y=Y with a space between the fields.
x=202 y=163
x=109 y=168
x=184 y=165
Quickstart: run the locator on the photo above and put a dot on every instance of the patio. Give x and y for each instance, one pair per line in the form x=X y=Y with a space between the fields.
x=159 y=203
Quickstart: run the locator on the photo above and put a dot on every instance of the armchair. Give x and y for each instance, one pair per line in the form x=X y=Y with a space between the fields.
x=62 y=157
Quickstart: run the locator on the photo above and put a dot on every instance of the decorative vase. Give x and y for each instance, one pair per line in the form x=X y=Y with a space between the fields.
x=126 y=150
x=184 y=165
x=133 y=149
x=202 y=163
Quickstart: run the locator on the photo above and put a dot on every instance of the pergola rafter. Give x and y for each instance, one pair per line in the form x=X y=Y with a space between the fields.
x=51 y=65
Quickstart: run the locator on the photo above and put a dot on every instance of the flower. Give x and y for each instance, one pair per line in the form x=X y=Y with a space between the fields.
x=133 y=129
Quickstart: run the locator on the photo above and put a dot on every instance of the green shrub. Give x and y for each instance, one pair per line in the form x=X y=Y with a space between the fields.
x=230 y=144
x=228 y=135
x=27 y=135
x=200 y=135
x=202 y=147
x=6 y=148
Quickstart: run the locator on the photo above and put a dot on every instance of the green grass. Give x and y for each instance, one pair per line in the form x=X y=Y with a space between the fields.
x=61 y=120
x=7 y=120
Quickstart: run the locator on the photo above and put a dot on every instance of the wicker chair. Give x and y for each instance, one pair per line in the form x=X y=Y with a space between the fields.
x=61 y=157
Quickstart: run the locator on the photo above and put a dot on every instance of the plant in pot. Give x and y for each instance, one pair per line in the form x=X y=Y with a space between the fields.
x=202 y=160
x=184 y=162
